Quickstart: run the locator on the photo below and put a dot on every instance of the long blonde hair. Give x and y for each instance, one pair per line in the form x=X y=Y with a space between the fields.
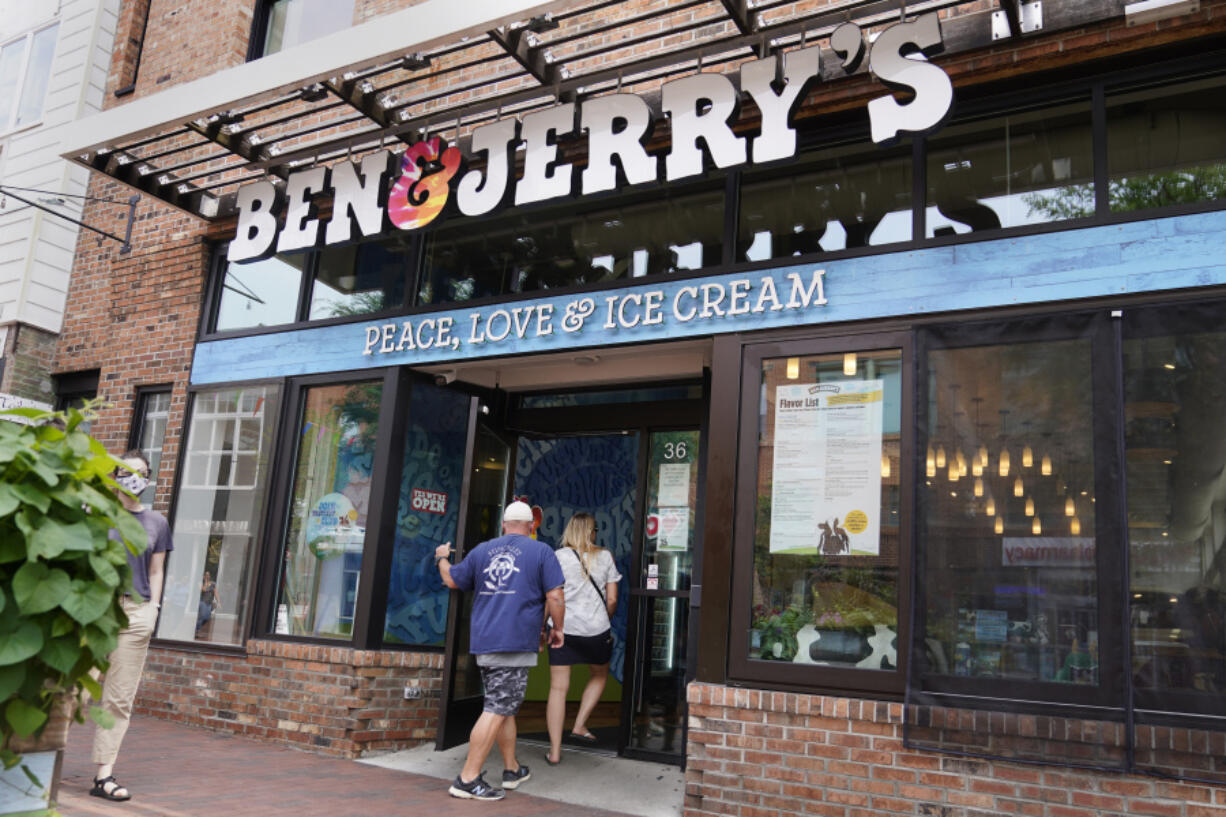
x=580 y=535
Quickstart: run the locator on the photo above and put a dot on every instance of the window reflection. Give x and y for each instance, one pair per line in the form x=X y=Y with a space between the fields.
x=1007 y=513
x=825 y=587
x=327 y=526
x=1164 y=146
x=836 y=200
x=1175 y=383
x=261 y=293
x=1011 y=171
x=530 y=253
x=218 y=508
x=360 y=278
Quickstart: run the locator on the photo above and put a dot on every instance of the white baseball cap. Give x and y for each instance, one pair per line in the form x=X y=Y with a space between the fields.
x=518 y=512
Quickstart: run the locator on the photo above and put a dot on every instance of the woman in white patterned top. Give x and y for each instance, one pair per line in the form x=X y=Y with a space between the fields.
x=591 y=598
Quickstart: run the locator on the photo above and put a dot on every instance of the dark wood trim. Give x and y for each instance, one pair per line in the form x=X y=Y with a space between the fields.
x=720 y=456
x=611 y=417
x=377 y=550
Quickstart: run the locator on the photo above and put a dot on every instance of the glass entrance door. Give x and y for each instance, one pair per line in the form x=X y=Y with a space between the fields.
x=485 y=493
x=660 y=597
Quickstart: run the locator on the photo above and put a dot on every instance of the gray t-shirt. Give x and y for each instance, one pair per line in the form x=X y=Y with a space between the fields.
x=507 y=659
x=158 y=531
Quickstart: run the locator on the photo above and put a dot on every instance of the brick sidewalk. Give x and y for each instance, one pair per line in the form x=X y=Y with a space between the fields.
x=180 y=771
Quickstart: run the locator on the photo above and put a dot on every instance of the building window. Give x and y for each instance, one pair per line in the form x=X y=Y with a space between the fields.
x=217 y=511
x=1175 y=450
x=526 y=253
x=837 y=199
x=260 y=293
x=431 y=478
x=1164 y=146
x=282 y=24
x=148 y=432
x=821 y=495
x=325 y=534
x=359 y=279
x=1025 y=168
x=1007 y=513
x=25 y=69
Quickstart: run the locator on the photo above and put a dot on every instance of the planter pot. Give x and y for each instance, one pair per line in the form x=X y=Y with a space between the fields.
x=44 y=757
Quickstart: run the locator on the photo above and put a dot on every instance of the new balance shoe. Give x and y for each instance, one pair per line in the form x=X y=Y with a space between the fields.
x=476 y=790
x=512 y=779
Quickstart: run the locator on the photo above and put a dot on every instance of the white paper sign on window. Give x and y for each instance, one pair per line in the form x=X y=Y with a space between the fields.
x=826 y=479
x=674 y=484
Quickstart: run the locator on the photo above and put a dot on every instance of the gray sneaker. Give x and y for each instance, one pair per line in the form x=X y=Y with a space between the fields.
x=476 y=790
x=512 y=779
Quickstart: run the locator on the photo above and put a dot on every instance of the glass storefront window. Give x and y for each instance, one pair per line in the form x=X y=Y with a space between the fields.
x=838 y=199
x=826 y=526
x=1175 y=448
x=1007 y=513
x=326 y=531
x=429 y=510
x=292 y=22
x=217 y=512
x=260 y=293
x=358 y=279
x=1010 y=171
x=152 y=412
x=1164 y=146
x=528 y=253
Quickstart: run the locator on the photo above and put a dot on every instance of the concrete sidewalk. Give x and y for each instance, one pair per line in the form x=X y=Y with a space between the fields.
x=180 y=771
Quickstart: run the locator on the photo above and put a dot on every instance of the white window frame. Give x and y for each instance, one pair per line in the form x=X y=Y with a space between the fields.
x=22 y=74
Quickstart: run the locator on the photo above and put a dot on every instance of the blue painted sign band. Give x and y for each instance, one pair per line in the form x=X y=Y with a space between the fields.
x=1141 y=256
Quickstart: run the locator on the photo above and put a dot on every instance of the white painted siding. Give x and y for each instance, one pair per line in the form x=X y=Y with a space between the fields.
x=36 y=248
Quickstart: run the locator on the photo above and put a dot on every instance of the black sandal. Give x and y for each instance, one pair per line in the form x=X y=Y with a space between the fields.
x=99 y=789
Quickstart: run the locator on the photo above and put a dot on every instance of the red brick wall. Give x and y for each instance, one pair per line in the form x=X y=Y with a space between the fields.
x=335 y=700
x=754 y=753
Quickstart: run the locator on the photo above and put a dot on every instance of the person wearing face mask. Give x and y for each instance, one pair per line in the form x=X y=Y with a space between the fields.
x=140 y=605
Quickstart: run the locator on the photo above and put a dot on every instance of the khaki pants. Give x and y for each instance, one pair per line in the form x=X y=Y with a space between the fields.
x=122 y=679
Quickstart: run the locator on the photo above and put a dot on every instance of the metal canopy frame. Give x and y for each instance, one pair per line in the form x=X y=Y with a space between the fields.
x=585 y=49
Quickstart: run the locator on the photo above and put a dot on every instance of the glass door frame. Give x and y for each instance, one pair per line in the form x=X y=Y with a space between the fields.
x=805 y=676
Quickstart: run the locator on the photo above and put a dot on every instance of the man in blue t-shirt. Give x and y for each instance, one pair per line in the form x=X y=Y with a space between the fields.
x=513 y=578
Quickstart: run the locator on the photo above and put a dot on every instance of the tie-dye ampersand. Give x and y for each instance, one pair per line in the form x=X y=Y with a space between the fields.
x=429 y=193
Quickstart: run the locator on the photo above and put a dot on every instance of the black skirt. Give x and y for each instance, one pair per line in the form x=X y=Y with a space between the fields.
x=582 y=649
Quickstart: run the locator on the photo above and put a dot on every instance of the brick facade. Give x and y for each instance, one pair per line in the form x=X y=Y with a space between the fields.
x=334 y=700
x=28 y=352
x=754 y=753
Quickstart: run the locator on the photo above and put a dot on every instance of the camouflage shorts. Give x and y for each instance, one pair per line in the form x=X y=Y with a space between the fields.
x=504 y=688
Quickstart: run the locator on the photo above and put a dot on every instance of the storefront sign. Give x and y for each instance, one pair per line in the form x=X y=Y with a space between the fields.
x=606 y=314
x=1047 y=551
x=826 y=478
x=410 y=190
x=429 y=501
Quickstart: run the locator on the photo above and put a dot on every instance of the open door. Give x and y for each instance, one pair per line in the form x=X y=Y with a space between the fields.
x=485 y=493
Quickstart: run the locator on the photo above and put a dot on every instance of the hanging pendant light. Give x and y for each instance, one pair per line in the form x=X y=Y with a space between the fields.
x=1000 y=524
x=1004 y=462
x=954 y=473
x=1036 y=527
x=1074 y=526
x=793 y=368
x=1070 y=507
x=940 y=456
x=983 y=456
x=962 y=469
x=1027 y=457
x=849 y=364
x=885 y=465
x=1018 y=488
x=1045 y=466
x=1029 y=506
x=976 y=468
x=990 y=508
x=978 y=487
x=931 y=469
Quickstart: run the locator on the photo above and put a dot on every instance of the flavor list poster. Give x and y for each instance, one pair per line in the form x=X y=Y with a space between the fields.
x=826 y=495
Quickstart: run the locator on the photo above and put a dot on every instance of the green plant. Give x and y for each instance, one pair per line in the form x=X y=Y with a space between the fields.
x=61 y=575
x=778 y=628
